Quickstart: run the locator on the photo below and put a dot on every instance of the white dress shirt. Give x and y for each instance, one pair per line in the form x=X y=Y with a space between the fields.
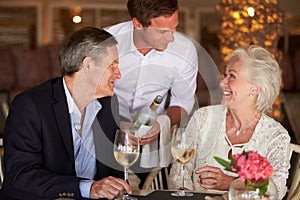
x=144 y=77
x=84 y=146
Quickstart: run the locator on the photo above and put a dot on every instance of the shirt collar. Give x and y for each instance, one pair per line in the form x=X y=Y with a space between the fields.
x=71 y=104
x=92 y=106
x=133 y=48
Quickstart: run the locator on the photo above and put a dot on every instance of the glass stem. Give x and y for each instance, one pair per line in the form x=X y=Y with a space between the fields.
x=126 y=179
x=182 y=176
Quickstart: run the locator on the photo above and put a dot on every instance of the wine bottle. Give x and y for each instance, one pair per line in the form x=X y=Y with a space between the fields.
x=148 y=114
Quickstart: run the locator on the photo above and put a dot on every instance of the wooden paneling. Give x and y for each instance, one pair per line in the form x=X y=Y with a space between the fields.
x=18 y=26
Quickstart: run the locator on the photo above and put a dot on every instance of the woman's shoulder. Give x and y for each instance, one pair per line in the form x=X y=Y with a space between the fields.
x=209 y=114
x=273 y=128
x=212 y=109
x=271 y=123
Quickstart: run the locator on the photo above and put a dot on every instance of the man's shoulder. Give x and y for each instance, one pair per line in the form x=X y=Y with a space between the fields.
x=45 y=85
x=120 y=28
x=183 y=39
x=182 y=44
x=44 y=90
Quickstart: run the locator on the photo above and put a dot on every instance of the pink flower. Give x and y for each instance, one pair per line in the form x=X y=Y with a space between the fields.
x=251 y=166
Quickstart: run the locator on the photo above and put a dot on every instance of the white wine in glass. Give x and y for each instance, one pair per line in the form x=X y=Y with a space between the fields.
x=126 y=152
x=182 y=151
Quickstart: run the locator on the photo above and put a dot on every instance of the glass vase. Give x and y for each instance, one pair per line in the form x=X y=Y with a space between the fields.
x=239 y=191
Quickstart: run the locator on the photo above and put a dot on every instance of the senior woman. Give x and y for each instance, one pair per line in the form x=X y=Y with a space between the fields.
x=250 y=87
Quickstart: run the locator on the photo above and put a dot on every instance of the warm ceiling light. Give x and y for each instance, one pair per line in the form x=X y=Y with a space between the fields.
x=76 y=14
x=76 y=19
x=247 y=22
x=236 y=15
x=251 y=11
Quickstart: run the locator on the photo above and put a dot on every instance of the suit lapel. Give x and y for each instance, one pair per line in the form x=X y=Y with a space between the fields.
x=63 y=117
x=104 y=128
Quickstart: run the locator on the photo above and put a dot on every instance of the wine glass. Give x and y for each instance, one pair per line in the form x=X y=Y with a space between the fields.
x=182 y=151
x=126 y=152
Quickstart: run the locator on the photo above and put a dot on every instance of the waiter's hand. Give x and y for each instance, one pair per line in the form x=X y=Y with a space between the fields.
x=151 y=135
x=125 y=125
x=109 y=188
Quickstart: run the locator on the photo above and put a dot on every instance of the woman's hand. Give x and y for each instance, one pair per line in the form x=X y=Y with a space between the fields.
x=213 y=178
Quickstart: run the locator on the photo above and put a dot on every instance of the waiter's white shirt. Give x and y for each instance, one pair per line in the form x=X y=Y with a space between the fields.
x=144 y=77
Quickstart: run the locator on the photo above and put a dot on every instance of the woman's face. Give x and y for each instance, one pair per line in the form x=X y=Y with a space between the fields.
x=237 y=91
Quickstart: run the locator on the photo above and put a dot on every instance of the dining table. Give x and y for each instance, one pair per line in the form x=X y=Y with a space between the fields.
x=166 y=195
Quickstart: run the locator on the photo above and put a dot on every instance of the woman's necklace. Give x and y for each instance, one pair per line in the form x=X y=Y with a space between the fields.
x=238 y=132
x=249 y=128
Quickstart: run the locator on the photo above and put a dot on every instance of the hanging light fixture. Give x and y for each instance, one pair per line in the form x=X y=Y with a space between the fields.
x=247 y=22
x=76 y=14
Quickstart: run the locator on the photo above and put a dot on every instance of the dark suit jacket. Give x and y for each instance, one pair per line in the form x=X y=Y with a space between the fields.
x=38 y=145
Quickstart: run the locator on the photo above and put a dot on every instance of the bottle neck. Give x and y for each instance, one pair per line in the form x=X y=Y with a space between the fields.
x=154 y=106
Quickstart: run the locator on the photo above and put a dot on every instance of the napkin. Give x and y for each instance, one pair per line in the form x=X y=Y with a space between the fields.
x=158 y=155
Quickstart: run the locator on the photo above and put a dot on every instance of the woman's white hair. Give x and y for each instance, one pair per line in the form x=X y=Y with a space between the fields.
x=262 y=70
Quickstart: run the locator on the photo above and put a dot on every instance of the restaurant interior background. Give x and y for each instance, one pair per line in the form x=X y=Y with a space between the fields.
x=31 y=30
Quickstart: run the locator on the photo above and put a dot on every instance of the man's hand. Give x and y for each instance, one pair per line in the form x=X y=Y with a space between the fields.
x=109 y=187
x=176 y=114
x=151 y=135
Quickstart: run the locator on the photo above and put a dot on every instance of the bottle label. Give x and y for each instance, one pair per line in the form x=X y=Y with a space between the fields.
x=142 y=130
x=142 y=119
x=148 y=115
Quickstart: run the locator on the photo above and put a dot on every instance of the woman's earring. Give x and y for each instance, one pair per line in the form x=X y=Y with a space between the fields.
x=250 y=95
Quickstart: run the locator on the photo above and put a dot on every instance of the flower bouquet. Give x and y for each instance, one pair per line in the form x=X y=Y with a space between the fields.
x=253 y=170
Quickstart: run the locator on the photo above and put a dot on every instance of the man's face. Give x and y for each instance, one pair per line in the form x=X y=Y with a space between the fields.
x=96 y=77
x=160 y=33
x=111 y=72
